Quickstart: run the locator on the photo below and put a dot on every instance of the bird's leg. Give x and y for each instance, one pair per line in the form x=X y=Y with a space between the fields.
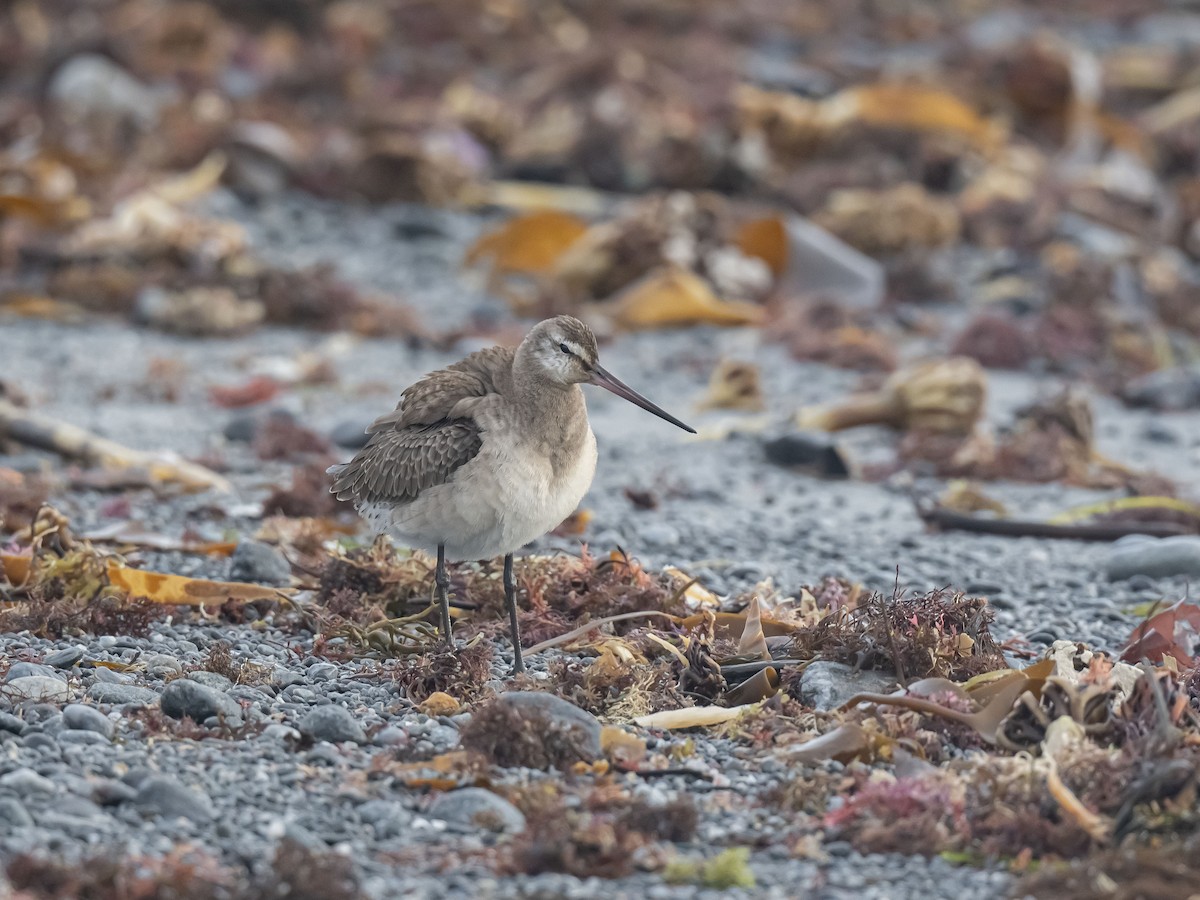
x=442 y=579
x=510 y=601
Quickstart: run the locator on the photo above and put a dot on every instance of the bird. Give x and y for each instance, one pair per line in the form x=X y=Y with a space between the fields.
x=483 y=456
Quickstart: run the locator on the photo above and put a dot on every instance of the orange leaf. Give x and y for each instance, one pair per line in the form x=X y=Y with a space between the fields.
x=767 y=239
x=177 y=590
x=912 y=107
x=16 y=568
x=674 y=296
x=530 y=243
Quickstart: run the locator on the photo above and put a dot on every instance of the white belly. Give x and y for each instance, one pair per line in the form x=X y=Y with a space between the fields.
x=494 y=505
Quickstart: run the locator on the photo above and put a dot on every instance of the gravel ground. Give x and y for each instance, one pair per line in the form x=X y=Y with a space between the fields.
x=725 y=515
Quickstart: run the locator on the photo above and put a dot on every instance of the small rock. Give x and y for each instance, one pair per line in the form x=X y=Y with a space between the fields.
x=28 y=670
x=260 y=563
x=65 y=658
x=331 y=723
x=391 y=737
x=108 y=676
x=827 y=685
x=323 y=672
x=279 y=732
x=1154 y=557
x=660 y=534
x=78 y=717
x=160 y=665
x=82 y=738
x=166 y=797
x=1172 y=389
x=184 y=697
x=478 y=807
x=439 y=703
x=526 y=728
x=214 y=680
x=89 y=85
x=10 y=723
x=813 y=452
x=389 y=818
x=14 y=814
x=39 y=688
x=26 y=781
x=119 y=694
x=351 y=435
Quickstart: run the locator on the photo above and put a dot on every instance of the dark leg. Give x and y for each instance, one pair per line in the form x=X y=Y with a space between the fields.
x=510 y=600
x=442 y=579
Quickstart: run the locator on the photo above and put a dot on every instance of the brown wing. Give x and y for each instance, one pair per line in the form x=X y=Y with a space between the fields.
x=429 y=435
x=398 y=463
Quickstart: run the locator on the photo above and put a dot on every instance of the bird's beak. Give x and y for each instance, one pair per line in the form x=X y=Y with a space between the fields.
x=601 y=377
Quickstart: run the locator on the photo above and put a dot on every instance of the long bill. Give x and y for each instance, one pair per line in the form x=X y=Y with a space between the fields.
x=601 y=377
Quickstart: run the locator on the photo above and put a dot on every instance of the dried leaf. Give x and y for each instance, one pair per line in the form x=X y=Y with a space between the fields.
x=1174 y=632
x=845 y=744
x=766 y=239
x=531 y=243
x=177 y=590
x=15 y=567
x=674 y=296
x=912 y=107
x=753 y=643
x=764 y=685
x=692 y=716
x=734 y=385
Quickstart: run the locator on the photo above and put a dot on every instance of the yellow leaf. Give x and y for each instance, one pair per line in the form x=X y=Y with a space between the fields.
x=177 y=590
x=674 y=296
x=692 y=717
x=767 y=239
x=529 y=243
x=913 y=107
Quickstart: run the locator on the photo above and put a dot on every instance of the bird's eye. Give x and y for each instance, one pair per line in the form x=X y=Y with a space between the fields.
x=565 y=349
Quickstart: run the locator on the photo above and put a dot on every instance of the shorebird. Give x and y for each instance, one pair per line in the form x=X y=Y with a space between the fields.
x=481 y=457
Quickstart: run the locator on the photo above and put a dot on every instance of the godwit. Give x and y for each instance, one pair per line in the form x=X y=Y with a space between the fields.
x=480 y=458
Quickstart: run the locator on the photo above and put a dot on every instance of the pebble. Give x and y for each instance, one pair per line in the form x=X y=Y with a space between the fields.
x=120 y=694
x=816 y=453
x=78 y=717
x=13 y=814
x=65 y=658
x=214 y=680
x=82 y=738
x=389 y=818
x=164 y=796
x=26 y=781
x=660 y=534
x=10 y=723
x=40 y=688
x=29 y=670
x=528 y=728
x=186 y=698
x=827 y=685
x=1154 y=557
x=331 y=723
x=351 y=435
x=480 y=808
x=259 y=563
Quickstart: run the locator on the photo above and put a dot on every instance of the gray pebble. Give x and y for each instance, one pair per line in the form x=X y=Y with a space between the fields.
x=40 y=688
x=110 y=676
x=13 y=814
x=26 y=781
x=65 y=658
x=78 y=717
x=185 y=697
x=164 y=796
x=211 y=679
x=28 y=669
x=1156 y=558
x=10 y=723
x=82 y=738
x=260 y=563
x=331 y=723
x=827 y=685
x=119 y=694
x=480 y=808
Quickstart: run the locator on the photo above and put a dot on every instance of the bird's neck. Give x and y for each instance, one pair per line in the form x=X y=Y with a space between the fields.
x=543 y=402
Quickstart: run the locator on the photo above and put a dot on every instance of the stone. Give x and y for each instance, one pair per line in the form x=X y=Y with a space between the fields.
x=214 y=680
x=91 y=85
x=28 y=670
x=82 y=738
x=163 y=796
x=120 y=694
x=527 y=728
x=78 y=717
x=186 y=698
x=813 y=452
x=1172 y=390
x=331 y=723
x=480 y=808
x=1154 y=557
x=13 y=814
x=11 y=723
x=827 y=685
x=26 y=781
x=260 y=563
x=159 y=665
x=350 y=435
x=389 y=818
x=65 y=658
x=39 y=688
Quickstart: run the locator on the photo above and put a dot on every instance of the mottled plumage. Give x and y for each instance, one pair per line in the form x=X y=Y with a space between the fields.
x=481 y=457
